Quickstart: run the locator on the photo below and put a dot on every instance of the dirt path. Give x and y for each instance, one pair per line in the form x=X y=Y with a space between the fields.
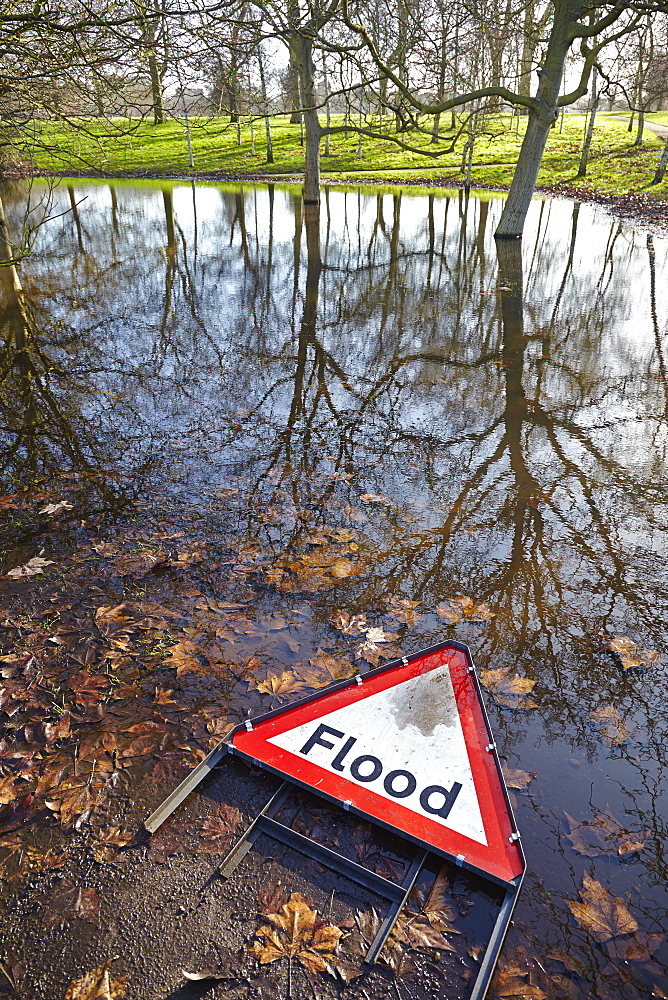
x=660 y=130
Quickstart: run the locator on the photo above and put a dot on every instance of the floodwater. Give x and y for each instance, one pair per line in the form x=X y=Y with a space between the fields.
x=471 y=419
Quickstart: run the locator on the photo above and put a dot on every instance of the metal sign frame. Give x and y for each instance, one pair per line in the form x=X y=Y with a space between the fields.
x=265 y=823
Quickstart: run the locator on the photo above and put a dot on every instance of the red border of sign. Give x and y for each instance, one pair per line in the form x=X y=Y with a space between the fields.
x=502 y=858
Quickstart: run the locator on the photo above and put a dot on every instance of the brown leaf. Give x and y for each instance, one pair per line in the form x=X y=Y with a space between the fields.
x=512 y=981
x=370 y=649
x=508 y=689
x=461 y=608
x=138 y=564
x=217 y=831
x=438 y=906
x=612 y=727
x=600 y=914
x=88 y=688
x=330 y=668
x=183 y=656
x=403 y=610
x=603 y=835
x=640 y=948
x=33 y=567
x=518 y=779
x=296 y=931
x=630 y=654
x=375 y=498
x=66 y=899
x=280 y=687
x=417 y=932
x=97 y=985
x=349 y=624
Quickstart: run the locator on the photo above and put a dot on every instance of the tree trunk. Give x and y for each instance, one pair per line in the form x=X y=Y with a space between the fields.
x=265 y=108
x=293 y=75
x=542 y=116
x=301 y=56
x=154 y=72
x=586 y=145
x=663 y=163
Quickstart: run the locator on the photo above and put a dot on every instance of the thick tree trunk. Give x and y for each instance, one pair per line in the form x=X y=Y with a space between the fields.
x=301 y=56
x=293 y=76
x=542 y=116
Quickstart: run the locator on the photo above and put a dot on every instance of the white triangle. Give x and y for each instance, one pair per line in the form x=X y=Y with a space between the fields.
x=413 y=727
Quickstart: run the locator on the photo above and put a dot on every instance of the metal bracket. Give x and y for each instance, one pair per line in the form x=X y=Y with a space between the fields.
x=265 y=823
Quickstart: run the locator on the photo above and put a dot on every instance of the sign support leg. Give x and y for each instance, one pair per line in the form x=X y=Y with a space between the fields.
x=202 y=771
x=395 y=909
x=495 y=943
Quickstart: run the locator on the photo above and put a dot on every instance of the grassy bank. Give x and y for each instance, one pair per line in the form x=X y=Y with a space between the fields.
x=129 y=146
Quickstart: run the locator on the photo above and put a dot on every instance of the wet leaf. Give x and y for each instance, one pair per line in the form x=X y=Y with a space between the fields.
x=600 y=914
x=54 y=508
x=370 y=649
x=403 y=611
x=217 y=831
x=66 y=900
x=88 y=688
x=630 y=654
x=639 y=948
x=280 y=687
x=349 y=624
x=512 y=983
x=508 y=689
x=33 y=567
x=518 y=779
x=97 y=985
x=416 y=931
x=327 y=668
x=438 y=906
x=296 y=931
x=462 y=608
x=612 y=727
x=138 y=564
x=603 y=835
x=375 y=498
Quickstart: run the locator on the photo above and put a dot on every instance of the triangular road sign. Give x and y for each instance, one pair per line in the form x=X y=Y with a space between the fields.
x=408 y=746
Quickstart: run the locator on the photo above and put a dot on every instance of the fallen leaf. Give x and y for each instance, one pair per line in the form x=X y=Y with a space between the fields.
x=600 y=914
x=217 y=831
x=630 y=654
x=370 y=649
x=280 y=687
x=640 y=948
x=53 y=508
x=508 y=689
x=403 y=610
x=518 y=779
x=66 y=900
x=97 y=985
x=33 y=567
x=612 y=727
x=375 y=498
x=139 y=563
x=603 y=835
x=88 y=688
x=296 y=931
x=329 y=668
x=349 y=624
x=462 y=608
x=512 y=983
x=438 y=906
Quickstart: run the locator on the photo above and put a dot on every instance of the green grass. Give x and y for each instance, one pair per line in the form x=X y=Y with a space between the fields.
x=123 y=146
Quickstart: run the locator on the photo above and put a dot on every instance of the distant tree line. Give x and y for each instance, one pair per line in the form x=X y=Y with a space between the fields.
x=420 y=75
